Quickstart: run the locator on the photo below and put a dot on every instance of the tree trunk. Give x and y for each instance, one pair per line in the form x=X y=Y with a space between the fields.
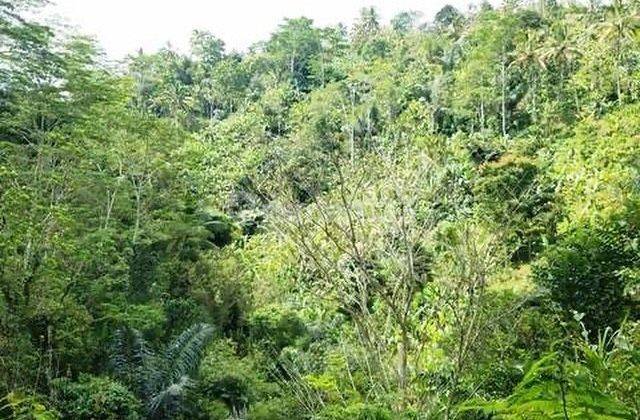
x=503 y=72
x=138 y=193
x=352 y=146
x=403 y=350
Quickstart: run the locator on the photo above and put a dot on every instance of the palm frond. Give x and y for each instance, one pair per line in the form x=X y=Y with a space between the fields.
x=169 y=395
x=184 y=354
x=161 y=379
x=129 y=350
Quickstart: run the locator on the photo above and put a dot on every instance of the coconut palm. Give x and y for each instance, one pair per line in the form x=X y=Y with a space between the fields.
x=529 y=59
x=561 y=49
x=619 y=28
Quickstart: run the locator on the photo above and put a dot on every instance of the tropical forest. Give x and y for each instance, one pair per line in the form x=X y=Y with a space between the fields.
x=422 y=217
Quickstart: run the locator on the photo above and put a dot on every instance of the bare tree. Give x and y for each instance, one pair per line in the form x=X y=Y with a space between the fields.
x=375 y=245
x=469 y=256
x=366 y=242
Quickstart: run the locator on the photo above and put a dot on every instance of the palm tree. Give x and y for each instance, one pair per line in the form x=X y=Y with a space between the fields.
x=367 y=26
x=561 y=49
x=619 y=29
x=160 y=379
x=529 y=59
x=528 y=54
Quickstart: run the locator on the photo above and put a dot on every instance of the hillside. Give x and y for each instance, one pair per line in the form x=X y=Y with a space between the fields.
x=402 y=220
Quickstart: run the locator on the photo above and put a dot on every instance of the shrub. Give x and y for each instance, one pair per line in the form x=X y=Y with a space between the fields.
x=274 y=409
x=554 y=387
x=95 y=398
x=225 y=377
x=583 y=273
x=511 y=191
x=275 y=328
x=357 y=411
x=19 y=406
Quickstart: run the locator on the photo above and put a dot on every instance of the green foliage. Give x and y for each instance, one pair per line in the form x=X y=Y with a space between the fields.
x=94 y=398
x=381 y=221
x=227 y=378
x=273 y=328
x=292 y=48
x=511 y=191
x=160 y=379
x=582 y=272
x=275 y=409
x=357 y=411
x=555 y=388
x=220 y=227
x=19 y=406
x=597 y=168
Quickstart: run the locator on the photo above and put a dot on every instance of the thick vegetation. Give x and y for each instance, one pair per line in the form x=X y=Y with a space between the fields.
x=406 y=221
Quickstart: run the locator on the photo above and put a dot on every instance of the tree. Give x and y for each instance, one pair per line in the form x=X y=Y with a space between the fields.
x=530 y=60
x=405 y=21
x=207 y=48
x=470 y=256
x=583 y=274
x=619 y=29
x=448 y=19
x=366 y=27
x=353 y=265
x=294 y=46
x=482 y=79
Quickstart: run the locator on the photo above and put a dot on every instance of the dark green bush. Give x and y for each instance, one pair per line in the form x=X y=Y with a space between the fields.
x=227 y=378
x=275 y=328
x=583 y=272
x=511 y=192
x=273 y=409
x=95 y=398
x=222 y=231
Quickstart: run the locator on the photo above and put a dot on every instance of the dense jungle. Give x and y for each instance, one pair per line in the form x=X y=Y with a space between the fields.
x=434 y=217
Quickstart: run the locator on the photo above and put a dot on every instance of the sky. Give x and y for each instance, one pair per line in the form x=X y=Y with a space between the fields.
x=124 y=26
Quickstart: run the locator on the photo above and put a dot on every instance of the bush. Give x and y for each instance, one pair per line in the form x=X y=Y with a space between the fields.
x=19 y=406
x=220 y=227
x=511 y=191
x=226 y=378
x=274 y=328
x=94 y=398
x=357 y=411
x=274 y=409
x=554 y=387
x=215 y=410
x=583 y=273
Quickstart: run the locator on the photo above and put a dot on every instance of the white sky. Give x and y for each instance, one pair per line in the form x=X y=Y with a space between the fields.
x=123 y=26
